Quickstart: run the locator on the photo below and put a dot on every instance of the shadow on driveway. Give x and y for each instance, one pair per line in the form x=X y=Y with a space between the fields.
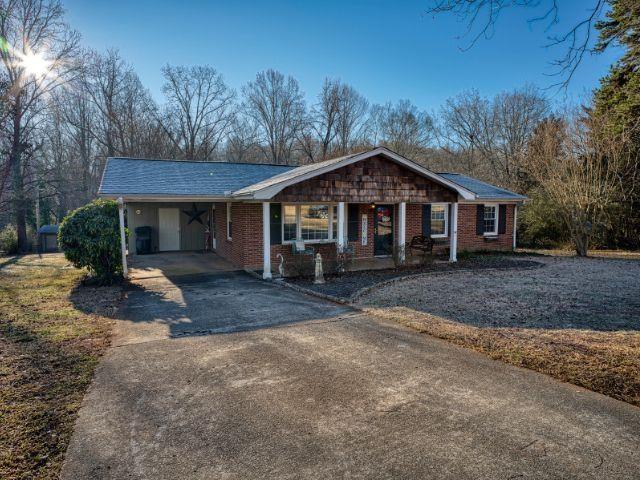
x=186 y=305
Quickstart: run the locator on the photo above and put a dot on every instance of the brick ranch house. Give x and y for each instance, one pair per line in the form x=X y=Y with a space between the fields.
x=369 y=204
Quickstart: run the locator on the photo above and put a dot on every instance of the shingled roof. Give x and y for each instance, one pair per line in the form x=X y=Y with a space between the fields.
x=482 y=190
x=143 y=178
x=176 y=178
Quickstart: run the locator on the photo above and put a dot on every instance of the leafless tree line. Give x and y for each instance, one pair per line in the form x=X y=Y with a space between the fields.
x=590 y=173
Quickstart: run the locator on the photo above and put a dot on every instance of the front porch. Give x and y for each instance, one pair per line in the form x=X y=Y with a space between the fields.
x=355 y=236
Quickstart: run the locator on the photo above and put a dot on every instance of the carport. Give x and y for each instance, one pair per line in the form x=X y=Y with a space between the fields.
x=177 y=264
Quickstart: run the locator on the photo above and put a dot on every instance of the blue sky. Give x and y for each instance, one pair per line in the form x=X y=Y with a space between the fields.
x=387 y=50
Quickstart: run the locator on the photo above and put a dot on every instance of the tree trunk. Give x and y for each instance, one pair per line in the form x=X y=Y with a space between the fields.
x=17 y=180
x=581 y=241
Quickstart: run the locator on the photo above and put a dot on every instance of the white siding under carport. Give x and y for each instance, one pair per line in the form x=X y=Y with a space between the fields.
x=141 y=214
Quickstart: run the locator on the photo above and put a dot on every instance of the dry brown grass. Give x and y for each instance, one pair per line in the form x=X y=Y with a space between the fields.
x=49 y=348
x=605 y=362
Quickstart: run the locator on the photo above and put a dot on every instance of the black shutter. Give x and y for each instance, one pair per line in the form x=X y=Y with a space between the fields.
x=353 y=224
x=502 y=219
x=479 y=219
x=275 y=215
x=426 y=220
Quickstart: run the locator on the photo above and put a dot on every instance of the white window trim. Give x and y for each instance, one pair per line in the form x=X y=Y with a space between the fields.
x=446 y=220
x=332 y=207
x=493 y=233
x=229 y=220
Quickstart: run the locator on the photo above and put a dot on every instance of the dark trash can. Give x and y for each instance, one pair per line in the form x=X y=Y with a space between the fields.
x=143 y=240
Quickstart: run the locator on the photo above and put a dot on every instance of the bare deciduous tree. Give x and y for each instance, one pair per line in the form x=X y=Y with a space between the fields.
x=125 y=112
x=402 y=127
x=351 y=122
x=482 y=15
x=325 y=116
x=38 y=52
x=276 y=105
x=242 y=140
x=467 y=129
x=335 y=124
x=578 y=164
x=491 y=137
x=198 y=111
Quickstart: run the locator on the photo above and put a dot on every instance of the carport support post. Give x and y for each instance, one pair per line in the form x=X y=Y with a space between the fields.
x=402 y=229
x=266 y=241
x=515 y=224
x=123 y=238
x=340 y=222
x=453 y=246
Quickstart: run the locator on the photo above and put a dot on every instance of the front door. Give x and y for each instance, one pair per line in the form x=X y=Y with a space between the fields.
x=383 y=230
x=168 y=229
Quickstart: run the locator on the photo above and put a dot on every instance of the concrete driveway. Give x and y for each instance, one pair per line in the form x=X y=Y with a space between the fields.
x=234 y=378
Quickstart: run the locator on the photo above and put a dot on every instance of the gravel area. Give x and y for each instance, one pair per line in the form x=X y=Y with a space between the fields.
x=345 y=285
x=567 y=293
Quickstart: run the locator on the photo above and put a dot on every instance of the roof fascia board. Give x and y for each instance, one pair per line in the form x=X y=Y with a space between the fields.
x=163 y=198
x=272 y=190
x=496 y=199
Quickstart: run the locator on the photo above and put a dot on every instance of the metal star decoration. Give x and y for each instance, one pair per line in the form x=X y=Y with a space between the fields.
x=194 y=214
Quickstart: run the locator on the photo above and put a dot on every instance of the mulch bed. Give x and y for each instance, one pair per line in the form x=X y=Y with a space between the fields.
x=346 y=285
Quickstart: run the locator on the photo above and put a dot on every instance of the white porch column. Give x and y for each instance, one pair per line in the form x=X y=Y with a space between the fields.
x=340 y=222
x=123 y=238
x=515 y=223
x=453 y=245
x=266 y=241
x=402 y=229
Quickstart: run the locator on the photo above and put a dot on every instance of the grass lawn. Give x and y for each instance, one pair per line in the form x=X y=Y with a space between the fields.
x=577 y=320
x=52 y=334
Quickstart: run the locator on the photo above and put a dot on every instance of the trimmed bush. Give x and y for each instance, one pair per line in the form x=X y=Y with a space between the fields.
x=90 y=238
x=9 y=240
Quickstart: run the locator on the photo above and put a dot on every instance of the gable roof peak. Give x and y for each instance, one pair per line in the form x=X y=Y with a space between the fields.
x=268 y=188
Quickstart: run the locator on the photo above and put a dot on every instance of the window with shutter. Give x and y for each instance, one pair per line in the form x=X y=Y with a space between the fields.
x=490 y=219
x=439 y=220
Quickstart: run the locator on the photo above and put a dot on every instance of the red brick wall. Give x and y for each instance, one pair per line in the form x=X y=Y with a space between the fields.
x=245 y=248
x=328 y=250
x=467 y=238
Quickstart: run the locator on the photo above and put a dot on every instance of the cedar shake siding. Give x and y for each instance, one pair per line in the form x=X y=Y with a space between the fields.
x=372 y=180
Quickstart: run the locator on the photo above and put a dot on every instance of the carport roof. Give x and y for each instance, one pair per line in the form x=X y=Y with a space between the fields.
x=133 y=176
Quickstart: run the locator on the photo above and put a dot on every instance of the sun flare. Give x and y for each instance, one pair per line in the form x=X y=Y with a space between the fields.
x=35 y=64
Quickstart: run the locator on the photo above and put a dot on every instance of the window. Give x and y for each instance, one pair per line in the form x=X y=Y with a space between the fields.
x=439 y=220
x=289 y=223
x=229 y=222
x=311 y=223
x=314 y=222
x=490 y=219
